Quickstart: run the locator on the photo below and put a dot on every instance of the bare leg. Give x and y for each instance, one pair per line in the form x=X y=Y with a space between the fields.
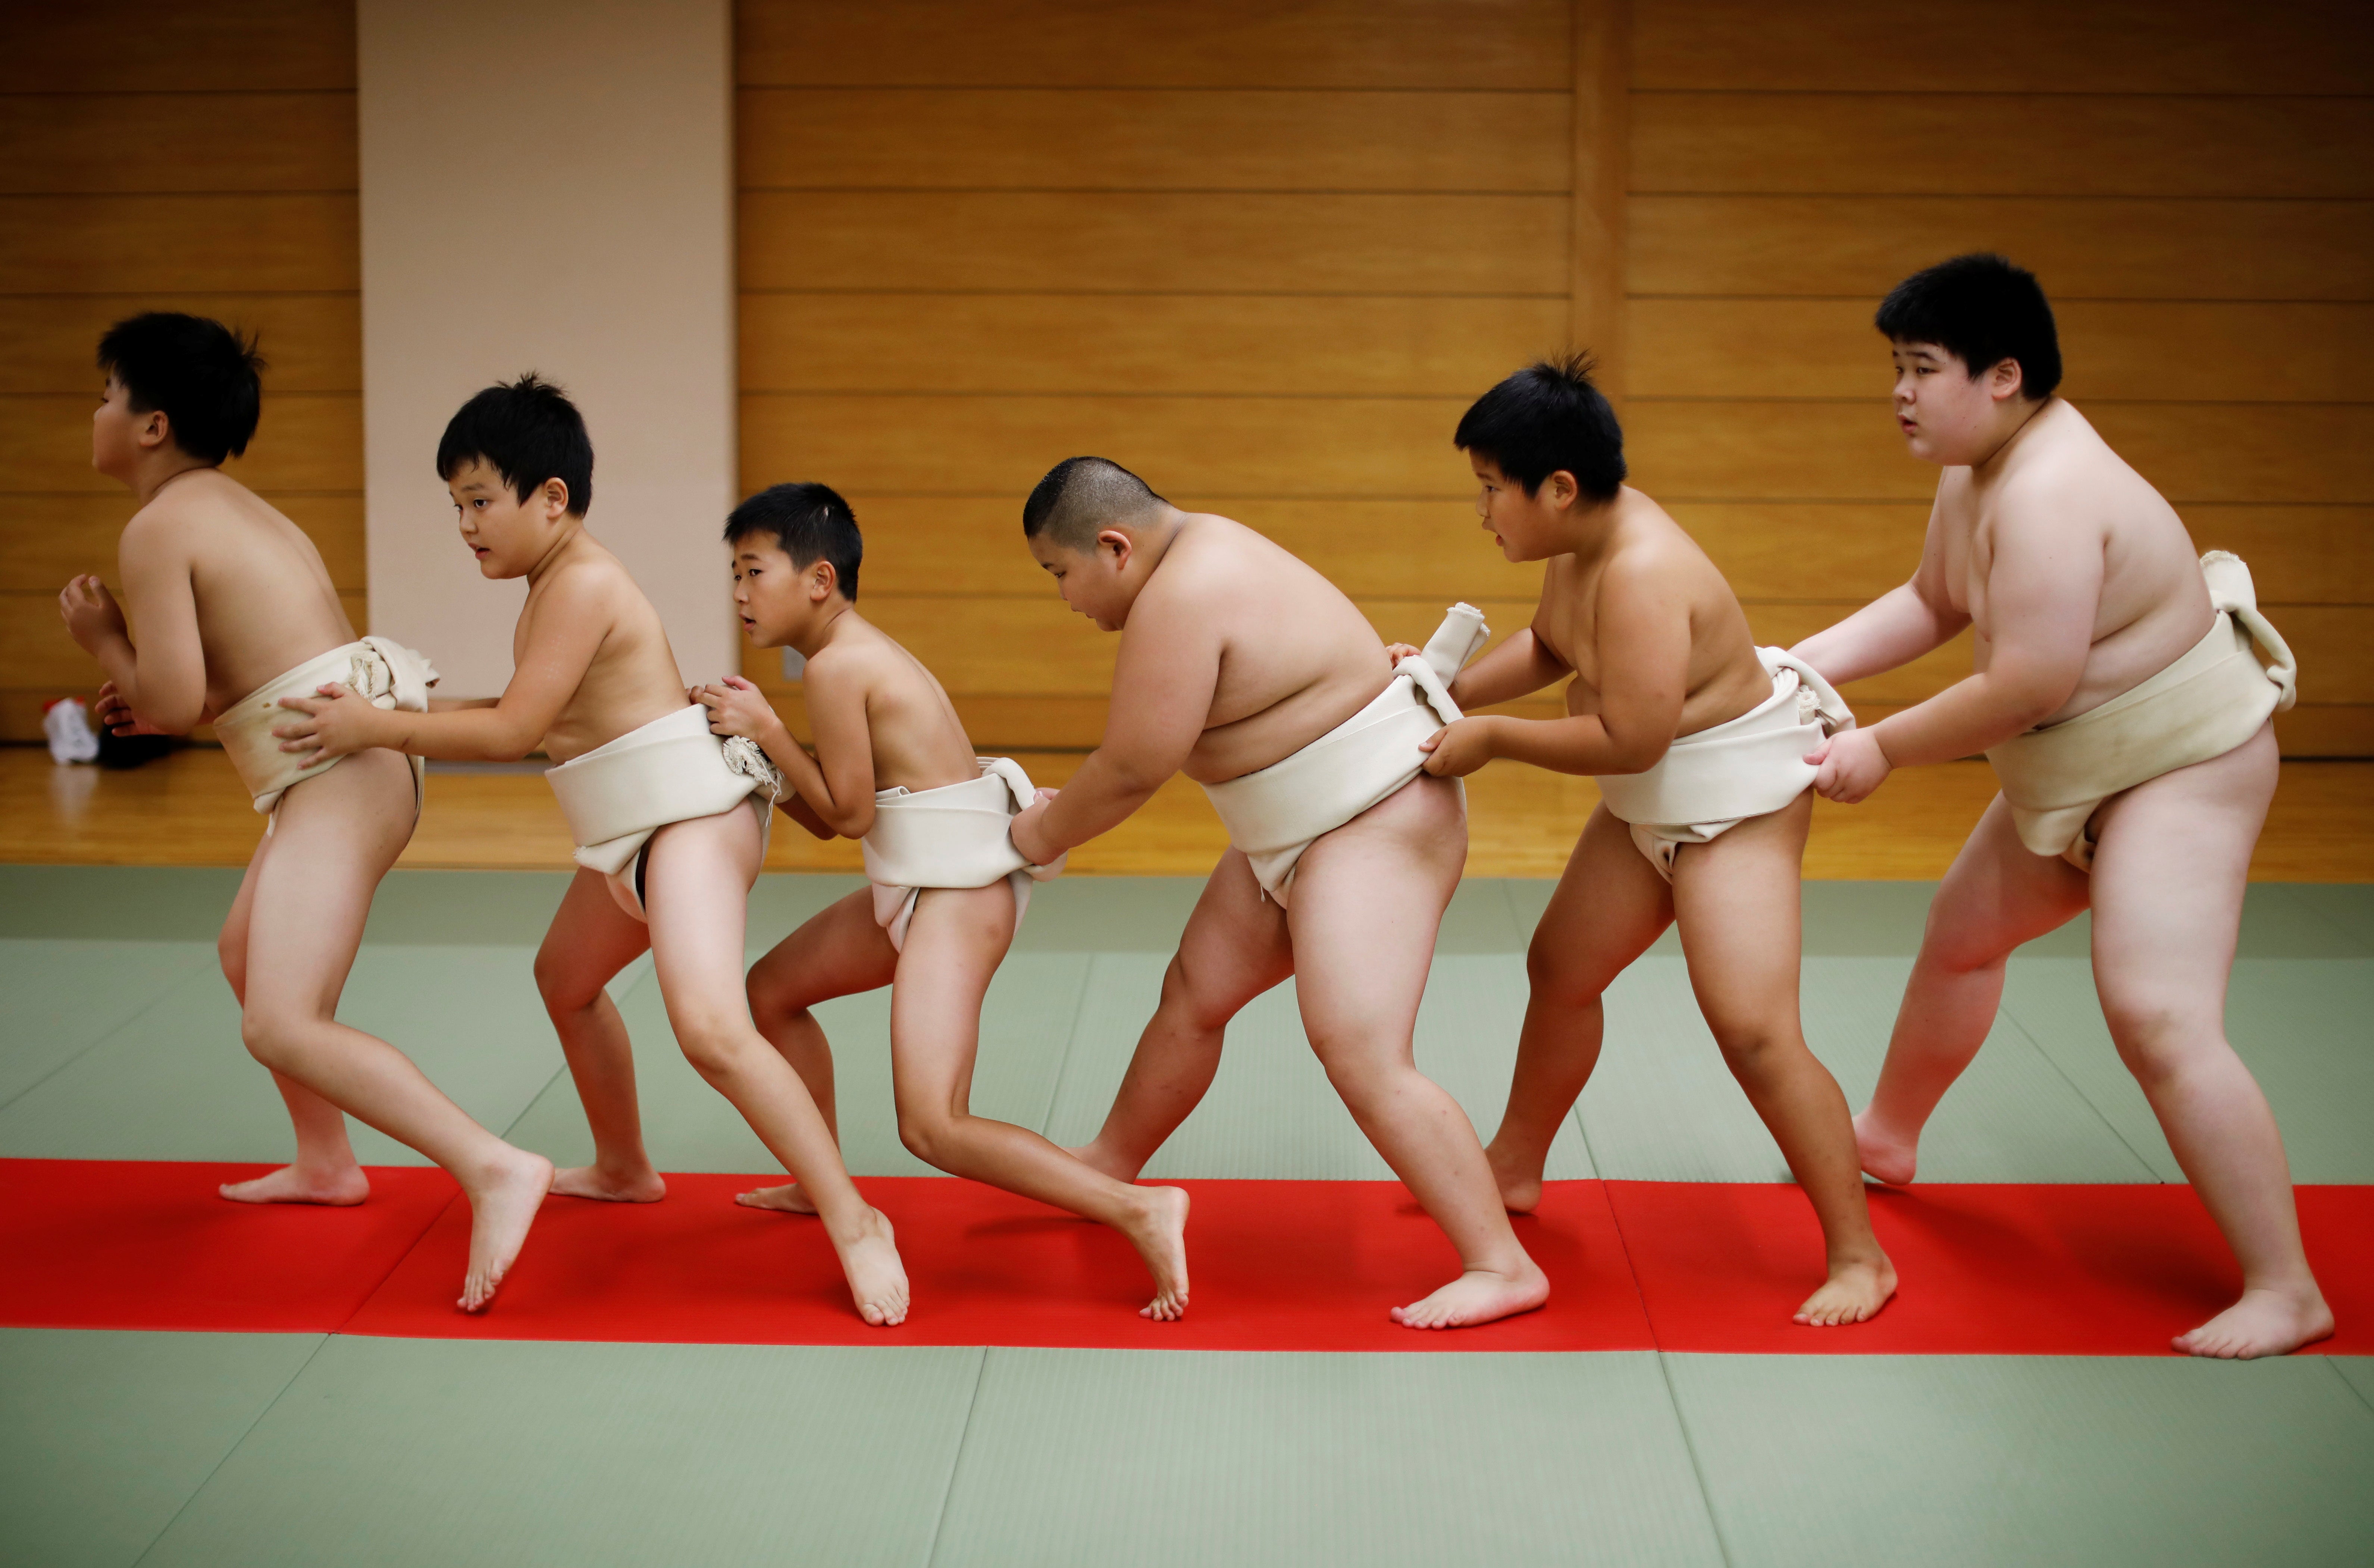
x=1367 y=901
x=337 y=836
x=1234 y=948
x=1609 y=906
x=1738 y=904
x=695 y=887
x=838 y=952
x=325 y=1170
x=2170 y=861
x=1996 y=897
x=954 y=944
x=591 y=940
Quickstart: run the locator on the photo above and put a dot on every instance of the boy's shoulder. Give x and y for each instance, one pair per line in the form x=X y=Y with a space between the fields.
x=169 y=519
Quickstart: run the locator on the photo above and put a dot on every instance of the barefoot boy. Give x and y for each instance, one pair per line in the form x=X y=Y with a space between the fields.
x=1697 y=739
x=893 y=768
x=229 y=608
x=670 y=823
x=2123 y=692
x=1246 y=670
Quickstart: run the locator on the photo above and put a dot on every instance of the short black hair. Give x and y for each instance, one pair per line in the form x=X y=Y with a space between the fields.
x=1547 y=418
x=205 y=378
x=811 y=523
x=526 y=430
x=1981 y=309
x=1080 y=497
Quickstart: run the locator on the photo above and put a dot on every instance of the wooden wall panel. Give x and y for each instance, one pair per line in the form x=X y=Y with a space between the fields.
x=1275 y=345
x=940 y=138
x=200 y=159
x=1065 y=241
x=2188 y=180
x=1213 y=43
x=2007 y=46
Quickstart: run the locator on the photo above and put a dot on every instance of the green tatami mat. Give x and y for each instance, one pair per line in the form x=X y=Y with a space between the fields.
x=175 y=1082
x=687 y=1126
x=64 y=997
x=1663 y=1105
x=2349 y=906
x=2359 y=1372
x=2299 y=1025
x=1270 y=1112
x=1150 y=1458
x=116 y=903
x=104 y=1436
x=1987 y=1460
x=561 y=1455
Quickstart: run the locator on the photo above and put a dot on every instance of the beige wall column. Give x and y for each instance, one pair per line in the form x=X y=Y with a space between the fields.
x=549 y=186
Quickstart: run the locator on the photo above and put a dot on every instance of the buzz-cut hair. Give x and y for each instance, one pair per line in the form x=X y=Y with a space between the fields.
x=527 y=431
x=1982 y=310
x=205 y=378
x=1081 y=497
x=810 y=522
x=1547 y=418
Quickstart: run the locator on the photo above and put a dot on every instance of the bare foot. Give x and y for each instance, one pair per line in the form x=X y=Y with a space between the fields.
x=1884 y=1156
x=592 y=1181
x=1853 y=1293
x=502 y=1207
x=1159 y=1233
x=289 y=1185
x=1477 y=1296
x=1521 y=1190
x=877 y=1281
x=2263 y=1323
x=787 y=1198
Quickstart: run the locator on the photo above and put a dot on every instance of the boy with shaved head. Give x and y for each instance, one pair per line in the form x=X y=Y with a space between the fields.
x=2123 y=692
x=1249 y=672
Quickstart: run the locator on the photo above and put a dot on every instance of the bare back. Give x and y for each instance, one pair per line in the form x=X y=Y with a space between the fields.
x=1649 y=554
x=1296 y=657
x=916 y=740
x=264 y=602
x=631 y=678
x=2058 y=505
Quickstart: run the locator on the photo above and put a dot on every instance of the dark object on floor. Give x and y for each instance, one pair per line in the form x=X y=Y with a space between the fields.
x=130 y=751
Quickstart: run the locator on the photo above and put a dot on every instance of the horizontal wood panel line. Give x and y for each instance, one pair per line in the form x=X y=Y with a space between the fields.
x=1111 y=395
x=2058 y=296
x=750 y=289
x=2091 y=196
x=216 y=92
x=1876 y=399
x=1984 y=92
x=1085 y=87
x=1121 y=190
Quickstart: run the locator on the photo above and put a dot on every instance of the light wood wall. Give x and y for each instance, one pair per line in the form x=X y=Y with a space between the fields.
x=1262 y=255
x=197 y=157
x=2189 y=179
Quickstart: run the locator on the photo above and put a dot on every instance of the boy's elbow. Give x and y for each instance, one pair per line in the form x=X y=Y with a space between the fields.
x=1635 y=756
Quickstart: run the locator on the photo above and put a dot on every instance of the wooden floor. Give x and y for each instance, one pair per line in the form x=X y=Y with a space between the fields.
x=188 y=810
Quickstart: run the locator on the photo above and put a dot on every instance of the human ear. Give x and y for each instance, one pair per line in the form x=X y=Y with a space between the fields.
x=1560 y=490
x=821 y=577
x=1113 y=539
x=2006 y=380
x=555 y=500
x=156 y=429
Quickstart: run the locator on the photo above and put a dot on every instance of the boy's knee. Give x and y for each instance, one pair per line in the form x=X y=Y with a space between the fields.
x=2149 y=1036
x=925 y=1136
x=269 y=1039
x=1747 y=1047
x=715 y=1046
x=561 y=985
x=1552 y=976
x=1187 y=997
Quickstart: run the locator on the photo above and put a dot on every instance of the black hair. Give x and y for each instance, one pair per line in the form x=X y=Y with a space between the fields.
x=1082 y=496
x=526 y=430
x=1547 y=418
x=811 y=523
x=205 y=378
x=1981 y=309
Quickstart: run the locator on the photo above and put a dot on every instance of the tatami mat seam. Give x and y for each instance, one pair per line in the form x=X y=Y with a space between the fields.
x=2356 y=1392
x=229 y=1449
x=956 y=1460
x=134 y=1017
x=1690 y=1446
x=2003 y=1011
x=1044 y=1124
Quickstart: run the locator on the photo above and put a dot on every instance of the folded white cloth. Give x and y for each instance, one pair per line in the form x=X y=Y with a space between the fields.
x=671 y=769
x=952 y=837
x=387 y=673
x=2214 y=697
x=1276 y=812
x=1752 y=765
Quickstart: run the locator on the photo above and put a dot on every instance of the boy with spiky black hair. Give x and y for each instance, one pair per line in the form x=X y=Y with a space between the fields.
x=228 y=608
x=1698 y=740
x=670 y=822
x=2124 y=691
x=893 y=766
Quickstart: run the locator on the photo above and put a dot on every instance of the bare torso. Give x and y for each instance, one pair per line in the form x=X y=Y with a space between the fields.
x=1724 y=678
x=2154 y=604
x=1297 y=656
x=632 y=679
x=917 y=740
x=264 y=601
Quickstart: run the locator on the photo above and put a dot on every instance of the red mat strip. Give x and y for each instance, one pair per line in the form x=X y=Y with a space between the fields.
x=1278 y=1266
